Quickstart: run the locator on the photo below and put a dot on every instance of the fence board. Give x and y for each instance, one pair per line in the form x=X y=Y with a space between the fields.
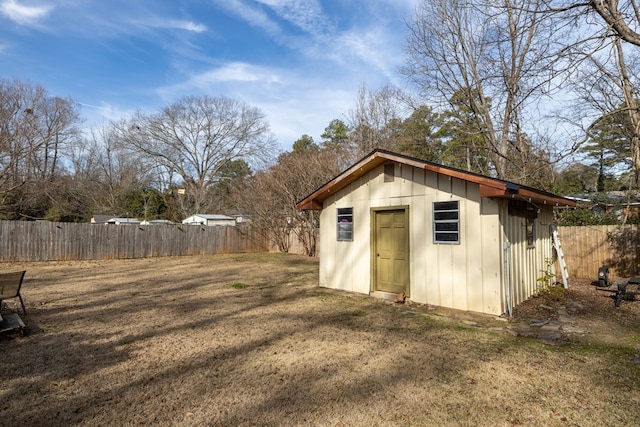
x=585 y=248
x=589 y=247
x=50 y=241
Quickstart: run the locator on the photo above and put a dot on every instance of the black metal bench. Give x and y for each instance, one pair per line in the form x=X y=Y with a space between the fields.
x=624 y=288
x=10 y=284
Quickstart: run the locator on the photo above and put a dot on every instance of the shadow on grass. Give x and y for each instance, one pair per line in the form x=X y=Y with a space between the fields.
x=302 y=356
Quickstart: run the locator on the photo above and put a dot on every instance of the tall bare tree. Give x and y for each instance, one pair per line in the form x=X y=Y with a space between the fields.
x=603 y=51
x=36 y=129
x=608 y=87
x=115 y=170
x=499 y=55
x=271 y=195
x=372 y=117
x=620 y=18
x=195 y=137
x=623 y=17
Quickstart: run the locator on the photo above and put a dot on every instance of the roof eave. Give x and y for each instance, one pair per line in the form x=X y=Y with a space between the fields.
x=315 y=200
x=489 y=187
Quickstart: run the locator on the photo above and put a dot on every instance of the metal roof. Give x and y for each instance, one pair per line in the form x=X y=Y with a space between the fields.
x=489 y=187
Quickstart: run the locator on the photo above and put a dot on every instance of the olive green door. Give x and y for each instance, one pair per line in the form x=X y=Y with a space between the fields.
x=391 y=251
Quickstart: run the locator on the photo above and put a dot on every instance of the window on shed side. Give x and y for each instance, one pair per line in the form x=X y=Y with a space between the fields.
x=446 y=222
x=531 y=232
x=345 y=225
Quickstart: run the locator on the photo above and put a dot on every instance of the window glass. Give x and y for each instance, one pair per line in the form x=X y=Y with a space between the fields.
x=345 y=224
x=531 y=232
x=446 y=222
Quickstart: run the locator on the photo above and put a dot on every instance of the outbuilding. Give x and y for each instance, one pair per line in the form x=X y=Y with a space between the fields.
x=392 y=224
x=123 y=221
x=210 y=220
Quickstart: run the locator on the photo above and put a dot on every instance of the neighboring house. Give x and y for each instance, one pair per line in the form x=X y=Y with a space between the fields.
x=106 y=219
x=392 y=224
x=206 y=219
x=240 y=216
x=615 y=202
x=100 y=219
x=156 y=221
x=242 y=219
x=122 y=221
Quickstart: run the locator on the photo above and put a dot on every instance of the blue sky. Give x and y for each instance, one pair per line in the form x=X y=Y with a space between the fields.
x=300 y=61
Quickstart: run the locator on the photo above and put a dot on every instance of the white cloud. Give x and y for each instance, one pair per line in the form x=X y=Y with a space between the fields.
x=253 y=16
x=21 y=14
x=190 y=26
x=371 y=47
x=300 y=88
x=304 y=14
x=294 y=101
x=173 y=24
x=96 y=115
x=307 y=110
x=372 y=41
x=239 y=72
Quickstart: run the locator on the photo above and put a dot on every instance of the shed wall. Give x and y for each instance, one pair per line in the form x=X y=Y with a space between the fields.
x=526 y=263
x=463 y=276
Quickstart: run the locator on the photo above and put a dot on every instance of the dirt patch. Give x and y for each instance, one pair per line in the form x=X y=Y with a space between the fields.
x=243 y=340
x=584 y=308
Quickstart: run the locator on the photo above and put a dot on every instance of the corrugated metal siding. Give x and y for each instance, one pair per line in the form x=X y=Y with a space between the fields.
x=526 y=264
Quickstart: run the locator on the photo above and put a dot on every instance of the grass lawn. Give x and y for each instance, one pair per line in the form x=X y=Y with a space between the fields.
x=251 y=340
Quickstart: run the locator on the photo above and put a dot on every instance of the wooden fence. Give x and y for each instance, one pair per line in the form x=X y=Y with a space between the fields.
x=50 y=241
x=587 y=248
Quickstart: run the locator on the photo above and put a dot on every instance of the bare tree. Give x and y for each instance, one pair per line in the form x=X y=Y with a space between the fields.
x=608 y=86
x=116 y=170
x=17 y=130
x=373 y=115
x=602 y=50
x=271 y=195
x=620 y=18
x=196 y=136
x=498 y=55
x=35 y=131
x=266 y=208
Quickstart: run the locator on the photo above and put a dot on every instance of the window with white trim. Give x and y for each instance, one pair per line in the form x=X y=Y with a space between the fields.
x=345 y=225
x=446 y=222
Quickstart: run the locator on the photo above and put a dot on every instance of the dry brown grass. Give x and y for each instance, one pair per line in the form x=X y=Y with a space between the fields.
x=243 y=340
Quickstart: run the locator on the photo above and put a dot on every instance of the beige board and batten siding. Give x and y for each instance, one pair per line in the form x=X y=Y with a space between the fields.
x=463 y=276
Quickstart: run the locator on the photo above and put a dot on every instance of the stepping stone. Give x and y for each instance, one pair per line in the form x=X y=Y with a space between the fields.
x=538 y=323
